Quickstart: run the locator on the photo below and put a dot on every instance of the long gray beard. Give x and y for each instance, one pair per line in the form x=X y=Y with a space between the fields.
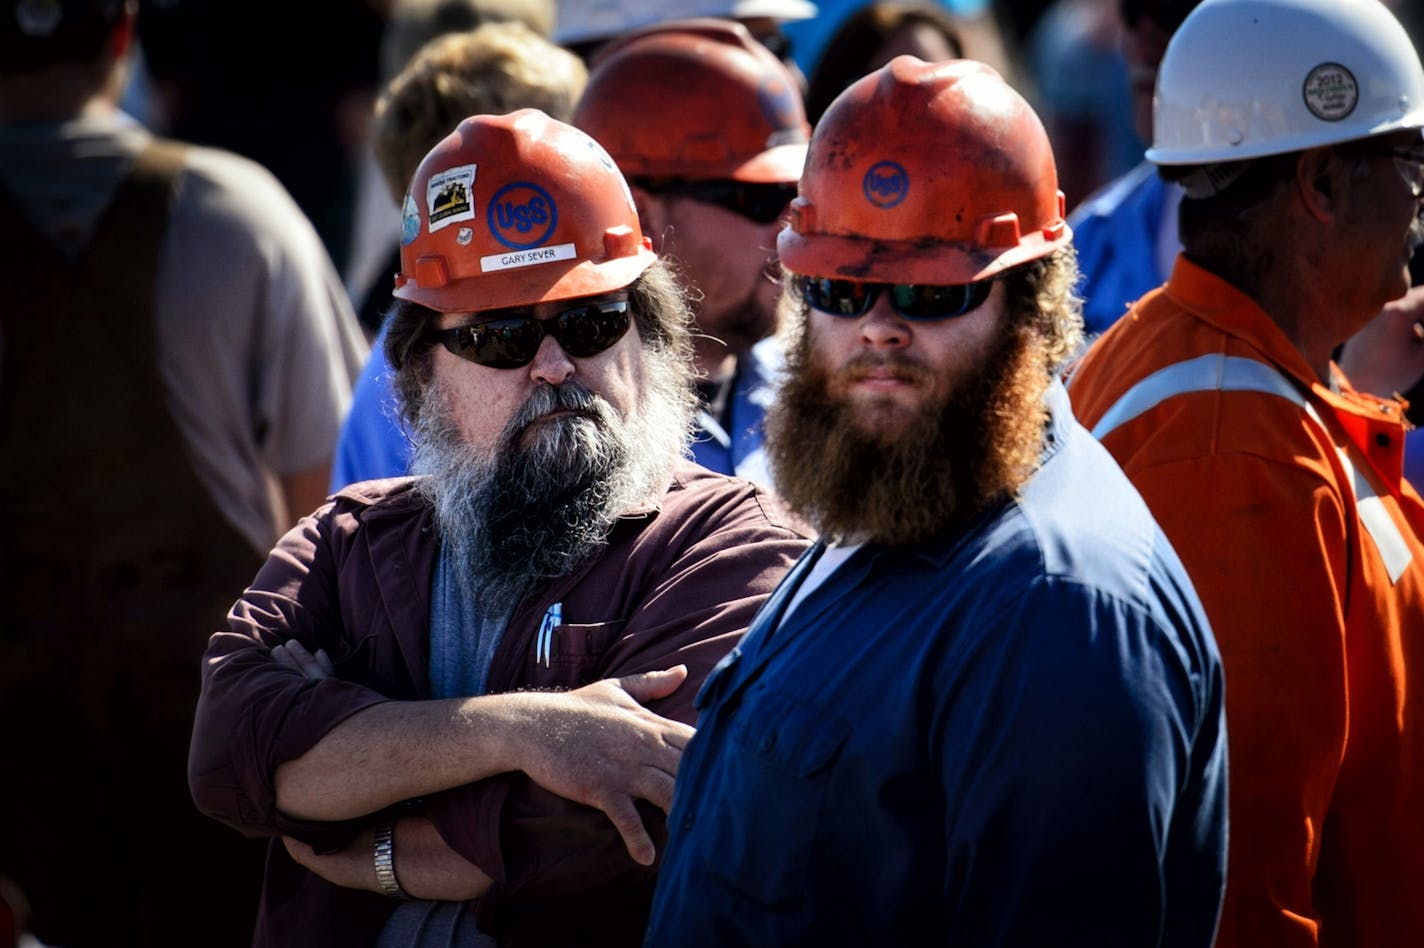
x=546 y=497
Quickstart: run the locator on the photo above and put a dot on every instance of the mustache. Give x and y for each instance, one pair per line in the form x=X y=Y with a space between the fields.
x=548 y=399
x=898 y=366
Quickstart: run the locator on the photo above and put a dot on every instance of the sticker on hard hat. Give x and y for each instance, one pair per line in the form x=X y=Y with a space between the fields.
x=410 y=221
x=522 y=215
x=1330 y=92
x=885 y=184
x=527 y=258
x=449 y=197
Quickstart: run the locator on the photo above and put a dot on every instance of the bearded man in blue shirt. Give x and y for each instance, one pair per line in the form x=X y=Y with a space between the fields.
x=986 y=708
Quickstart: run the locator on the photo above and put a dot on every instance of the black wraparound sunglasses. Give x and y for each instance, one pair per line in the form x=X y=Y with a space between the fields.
x=511 y=342
x=851 y=298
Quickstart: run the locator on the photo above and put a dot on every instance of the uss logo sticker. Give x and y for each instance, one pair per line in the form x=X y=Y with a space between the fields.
x=450 y=197
x=885 y=184
x=521 y=215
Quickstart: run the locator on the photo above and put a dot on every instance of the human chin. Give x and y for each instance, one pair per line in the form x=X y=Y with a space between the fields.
x=884 y=417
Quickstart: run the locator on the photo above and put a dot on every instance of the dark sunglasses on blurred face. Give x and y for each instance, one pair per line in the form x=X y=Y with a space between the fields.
x=756 y=201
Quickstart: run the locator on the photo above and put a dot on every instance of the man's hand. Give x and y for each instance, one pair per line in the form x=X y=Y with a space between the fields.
x=353 y=867
x=1387 y=356
x=294 y=654
x=599 y=746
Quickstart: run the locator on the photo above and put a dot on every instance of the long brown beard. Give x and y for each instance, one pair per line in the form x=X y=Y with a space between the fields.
x=957 y=458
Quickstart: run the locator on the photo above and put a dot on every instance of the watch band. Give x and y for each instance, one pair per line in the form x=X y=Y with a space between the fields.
x=386 y=861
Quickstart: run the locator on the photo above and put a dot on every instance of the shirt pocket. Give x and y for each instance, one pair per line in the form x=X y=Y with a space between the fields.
x=573 y=655
x=772 y=794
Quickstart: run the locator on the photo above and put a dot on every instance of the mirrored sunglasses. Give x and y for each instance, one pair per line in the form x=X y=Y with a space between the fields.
x=756 y=201
x=512 y=342
x=851 y=298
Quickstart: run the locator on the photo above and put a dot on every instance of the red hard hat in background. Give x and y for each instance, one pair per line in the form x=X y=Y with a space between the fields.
x=698 y=99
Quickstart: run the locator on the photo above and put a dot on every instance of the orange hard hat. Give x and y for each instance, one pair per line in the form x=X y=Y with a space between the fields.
x=512 y=210
x=698 y=99
x=929 y=173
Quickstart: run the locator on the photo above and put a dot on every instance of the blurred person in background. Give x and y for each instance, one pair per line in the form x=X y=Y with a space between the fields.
x=1126 y=233
x=584 y=26
x=295 y=99
x=410 y=25
x=176 y=355
x=712 y=159
x=1080 y=86
x=871 y=37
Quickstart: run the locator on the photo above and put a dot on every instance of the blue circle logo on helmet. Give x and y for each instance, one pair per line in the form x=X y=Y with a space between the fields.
x=885 y=184
x=522 y=215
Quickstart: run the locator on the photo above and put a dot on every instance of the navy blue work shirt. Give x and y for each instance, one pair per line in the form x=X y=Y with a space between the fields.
x=1010 y=736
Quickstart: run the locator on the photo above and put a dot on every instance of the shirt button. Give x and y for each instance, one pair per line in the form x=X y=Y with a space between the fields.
x=688 y=819
x=1382 y=440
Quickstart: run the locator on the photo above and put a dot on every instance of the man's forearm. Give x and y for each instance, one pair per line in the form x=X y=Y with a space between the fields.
x=597 y=745
x=399 y=750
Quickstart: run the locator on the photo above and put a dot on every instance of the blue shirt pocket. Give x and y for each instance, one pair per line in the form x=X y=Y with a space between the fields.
x=772 y=789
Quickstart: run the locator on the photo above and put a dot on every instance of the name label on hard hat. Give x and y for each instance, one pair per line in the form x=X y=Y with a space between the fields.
x=449 y=197
x=885 y=184
x=526 y=258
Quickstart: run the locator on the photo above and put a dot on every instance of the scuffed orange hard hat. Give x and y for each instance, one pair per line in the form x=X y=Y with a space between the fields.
x=930 y=173
x=513 y=210
x=699 y=99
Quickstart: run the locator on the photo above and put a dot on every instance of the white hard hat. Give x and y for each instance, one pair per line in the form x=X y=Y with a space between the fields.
x=1248 y=78
x=577 y=21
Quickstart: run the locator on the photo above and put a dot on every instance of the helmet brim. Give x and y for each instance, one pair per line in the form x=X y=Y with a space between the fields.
x=781 y=164
x=905 y=261
x=523 y=287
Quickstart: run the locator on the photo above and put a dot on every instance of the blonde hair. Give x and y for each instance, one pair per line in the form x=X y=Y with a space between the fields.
x=492 y=70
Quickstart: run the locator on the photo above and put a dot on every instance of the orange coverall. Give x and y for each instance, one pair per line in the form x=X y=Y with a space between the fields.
x=1287 y=504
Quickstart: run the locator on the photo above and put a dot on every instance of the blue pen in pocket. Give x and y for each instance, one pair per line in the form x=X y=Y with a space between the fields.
x=544 y=641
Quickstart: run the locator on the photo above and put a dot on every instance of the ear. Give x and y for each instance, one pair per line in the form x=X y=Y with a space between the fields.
x=652 y=215
x=1316 y=182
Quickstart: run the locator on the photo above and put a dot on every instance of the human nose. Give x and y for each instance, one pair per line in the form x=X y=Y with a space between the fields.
x=883 y=328
x=551 y=363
